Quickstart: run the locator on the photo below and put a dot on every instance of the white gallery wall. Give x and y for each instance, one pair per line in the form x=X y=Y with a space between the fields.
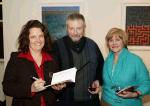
x=101 y=15
x=2 y=97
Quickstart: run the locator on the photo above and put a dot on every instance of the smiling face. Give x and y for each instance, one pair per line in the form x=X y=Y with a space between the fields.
x=116 y=39
x=75 y=29
x=36 y=40
x=115 y=43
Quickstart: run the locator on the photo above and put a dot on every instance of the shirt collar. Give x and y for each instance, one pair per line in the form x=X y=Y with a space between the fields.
x=28 y=56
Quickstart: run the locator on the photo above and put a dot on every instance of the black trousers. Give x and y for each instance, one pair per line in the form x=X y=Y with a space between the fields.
x=95 y=102
x=3 y=103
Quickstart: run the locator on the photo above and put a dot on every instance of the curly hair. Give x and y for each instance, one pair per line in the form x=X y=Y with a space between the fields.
x=23 y=39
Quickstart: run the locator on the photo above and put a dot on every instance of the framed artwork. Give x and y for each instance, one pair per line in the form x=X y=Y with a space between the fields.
x=1 y=41
x=1 y=34
x=54 y=17
x=136 y=22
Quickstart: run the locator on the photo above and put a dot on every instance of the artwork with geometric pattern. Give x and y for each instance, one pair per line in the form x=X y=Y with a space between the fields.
x=138 y=25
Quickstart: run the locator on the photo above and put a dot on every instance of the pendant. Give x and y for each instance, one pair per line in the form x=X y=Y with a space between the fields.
x=116 y=88
x=113 y=87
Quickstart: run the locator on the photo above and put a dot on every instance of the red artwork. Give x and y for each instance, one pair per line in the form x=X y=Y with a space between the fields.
x=138 y=35
x=138 y=25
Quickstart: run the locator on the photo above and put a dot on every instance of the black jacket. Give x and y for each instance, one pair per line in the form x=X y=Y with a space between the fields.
x=64 y=49
x=17 y=82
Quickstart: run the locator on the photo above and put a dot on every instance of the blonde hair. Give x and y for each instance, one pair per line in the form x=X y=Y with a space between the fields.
x=118 y=32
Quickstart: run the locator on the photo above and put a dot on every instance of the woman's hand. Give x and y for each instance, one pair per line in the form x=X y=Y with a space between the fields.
x=59 y=86
x=38 y=85
x=128 y=94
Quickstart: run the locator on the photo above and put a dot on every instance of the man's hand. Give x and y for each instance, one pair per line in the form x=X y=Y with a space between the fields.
x=59 y=86
x=94 y=88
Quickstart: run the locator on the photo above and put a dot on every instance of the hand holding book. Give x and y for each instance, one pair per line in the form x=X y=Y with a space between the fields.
x=63 y=77
x=126 y=89
x=128 y=92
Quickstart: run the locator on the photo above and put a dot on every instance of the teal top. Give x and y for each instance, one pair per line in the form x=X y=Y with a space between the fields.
x=128 y=71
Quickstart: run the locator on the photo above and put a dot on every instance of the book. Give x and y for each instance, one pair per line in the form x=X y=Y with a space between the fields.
x=63 y=76
x=129 y=88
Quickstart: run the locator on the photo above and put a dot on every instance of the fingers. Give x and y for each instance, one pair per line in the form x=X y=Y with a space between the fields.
x=127 y=94
x=38 y=85
x=59 y=86
x=95 y=90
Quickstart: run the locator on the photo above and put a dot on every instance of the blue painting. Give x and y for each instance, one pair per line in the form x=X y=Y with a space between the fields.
x=54 y=18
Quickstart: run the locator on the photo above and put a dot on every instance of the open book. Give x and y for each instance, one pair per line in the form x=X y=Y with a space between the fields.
x=129 y=88
x=63 y=76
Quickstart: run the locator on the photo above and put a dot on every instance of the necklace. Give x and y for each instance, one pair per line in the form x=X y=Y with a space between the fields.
x=115 y=86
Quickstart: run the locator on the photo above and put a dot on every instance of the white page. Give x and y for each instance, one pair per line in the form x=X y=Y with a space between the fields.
x=68 y=75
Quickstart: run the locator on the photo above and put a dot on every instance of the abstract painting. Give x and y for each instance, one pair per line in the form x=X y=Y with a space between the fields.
x=54 y=17
x=138 y=25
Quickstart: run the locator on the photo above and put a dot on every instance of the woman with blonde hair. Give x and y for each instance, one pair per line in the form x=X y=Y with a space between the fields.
x=123 y=69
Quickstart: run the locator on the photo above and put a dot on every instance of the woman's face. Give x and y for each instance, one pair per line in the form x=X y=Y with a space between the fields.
x=115 y=44
x=36 y=38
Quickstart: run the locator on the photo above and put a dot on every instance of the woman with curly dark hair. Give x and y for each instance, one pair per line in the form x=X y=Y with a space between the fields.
x=31 y=61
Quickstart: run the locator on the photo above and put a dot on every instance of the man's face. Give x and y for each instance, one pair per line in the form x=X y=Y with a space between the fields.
x=75 y=29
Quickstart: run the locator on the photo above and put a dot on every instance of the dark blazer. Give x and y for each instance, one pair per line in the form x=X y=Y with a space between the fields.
x=18 y=80
x=86 y=52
